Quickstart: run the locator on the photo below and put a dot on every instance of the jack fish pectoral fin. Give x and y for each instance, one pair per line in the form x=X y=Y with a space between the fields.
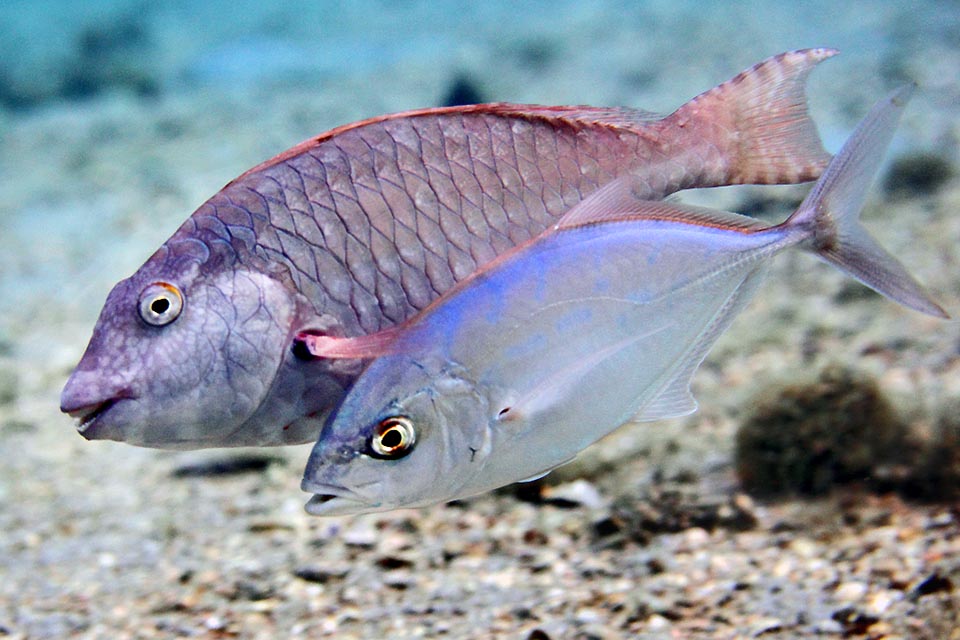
x=568 y=381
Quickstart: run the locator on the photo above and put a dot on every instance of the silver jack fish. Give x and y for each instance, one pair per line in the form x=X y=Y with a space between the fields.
x=358 y=229
x=603 y=318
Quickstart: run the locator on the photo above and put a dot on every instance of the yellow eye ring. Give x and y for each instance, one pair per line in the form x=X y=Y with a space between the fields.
x=160 y=304
x=393 y=438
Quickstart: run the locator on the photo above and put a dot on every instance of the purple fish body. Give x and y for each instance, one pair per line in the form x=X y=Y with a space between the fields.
x=357 y=230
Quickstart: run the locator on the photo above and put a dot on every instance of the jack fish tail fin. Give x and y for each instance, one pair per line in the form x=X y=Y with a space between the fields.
x=829 y=217
x=758 y=121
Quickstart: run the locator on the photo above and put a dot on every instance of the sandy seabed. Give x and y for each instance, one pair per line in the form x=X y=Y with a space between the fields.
x=647 y=535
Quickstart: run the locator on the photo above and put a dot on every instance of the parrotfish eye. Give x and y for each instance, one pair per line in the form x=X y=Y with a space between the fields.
x=160 y=304
x=393 y=438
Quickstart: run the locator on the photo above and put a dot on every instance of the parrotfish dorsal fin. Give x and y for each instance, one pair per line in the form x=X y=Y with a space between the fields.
x=767 y=104
x=617 y=201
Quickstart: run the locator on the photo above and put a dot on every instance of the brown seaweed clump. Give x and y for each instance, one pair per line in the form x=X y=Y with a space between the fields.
x=804 y=438
x=917 y=174
x=936 y=475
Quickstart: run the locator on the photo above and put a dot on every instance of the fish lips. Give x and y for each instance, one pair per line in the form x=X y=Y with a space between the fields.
x=93 y=413
x=90 y=424
x=331 y=500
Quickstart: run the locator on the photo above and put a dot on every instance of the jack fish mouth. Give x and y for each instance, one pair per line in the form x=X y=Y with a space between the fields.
x=331 y=500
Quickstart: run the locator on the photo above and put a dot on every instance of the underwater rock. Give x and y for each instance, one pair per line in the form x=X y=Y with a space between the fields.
x=935 y=476
x=934 y=583
x=111 y=39
x=13 y=96
x=110 y=56
x=803 y=438
x=251 y=590
x=854 y=622
x=671 y=509
x=85 y=81
x=17 y=427
x=462 y=90
x=917 y=174
x=537 y=54
x=763 y=204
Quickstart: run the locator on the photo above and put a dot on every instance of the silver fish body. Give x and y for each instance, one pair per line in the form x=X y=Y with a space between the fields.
x=601 y=319
x=360 y=228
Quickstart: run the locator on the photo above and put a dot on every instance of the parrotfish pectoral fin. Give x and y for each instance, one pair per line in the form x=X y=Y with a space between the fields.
x=830 y=213
x=775 y=141
x=361 y=347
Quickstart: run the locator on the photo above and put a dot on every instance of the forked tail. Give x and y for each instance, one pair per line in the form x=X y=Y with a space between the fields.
x=830 y=214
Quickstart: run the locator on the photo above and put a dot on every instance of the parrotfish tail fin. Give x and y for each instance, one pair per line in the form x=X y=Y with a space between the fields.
x=829 y=216
x=759 y=124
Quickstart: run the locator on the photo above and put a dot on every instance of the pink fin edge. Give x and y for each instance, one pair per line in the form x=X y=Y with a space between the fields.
x=360 y=347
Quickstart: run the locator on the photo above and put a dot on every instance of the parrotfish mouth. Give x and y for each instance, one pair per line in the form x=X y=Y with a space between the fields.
x=89 y=417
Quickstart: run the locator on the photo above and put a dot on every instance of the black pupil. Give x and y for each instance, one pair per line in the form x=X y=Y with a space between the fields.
x=160 y=306
x=391 y=438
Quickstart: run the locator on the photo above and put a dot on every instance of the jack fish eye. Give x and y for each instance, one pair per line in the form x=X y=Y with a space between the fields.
x=393 y=438
x=160 y=304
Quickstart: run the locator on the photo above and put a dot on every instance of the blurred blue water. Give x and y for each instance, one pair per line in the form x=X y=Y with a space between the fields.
x=118 y=117
x=180 y=42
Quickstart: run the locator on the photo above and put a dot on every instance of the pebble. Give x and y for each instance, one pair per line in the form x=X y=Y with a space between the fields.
x=804 y=547
x=579 y=492
x=695 y=538
x=850 y=591
x=878 y=603
x=657 y=622
x=588 y=616
x=765 y=625
x=360 y=534
x=214 y=623
x=940 y=520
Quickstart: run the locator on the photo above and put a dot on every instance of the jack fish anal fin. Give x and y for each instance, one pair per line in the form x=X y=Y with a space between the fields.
x=675 y=400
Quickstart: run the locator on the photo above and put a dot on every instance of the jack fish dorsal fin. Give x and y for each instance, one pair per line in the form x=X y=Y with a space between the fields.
x=618 y=201
x=675 y=399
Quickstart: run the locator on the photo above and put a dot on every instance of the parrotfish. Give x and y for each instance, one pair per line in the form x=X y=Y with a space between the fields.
x=358 y=229
x=601 y=319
